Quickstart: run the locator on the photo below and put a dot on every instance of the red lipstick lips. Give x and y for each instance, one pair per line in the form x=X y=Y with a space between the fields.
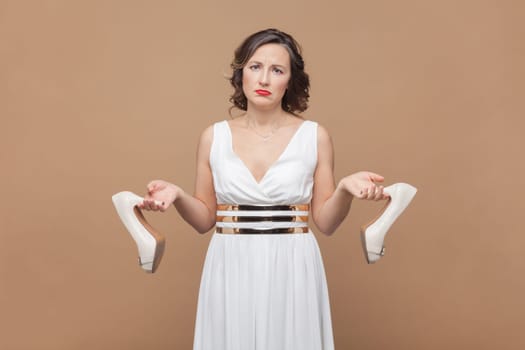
x=263 y=92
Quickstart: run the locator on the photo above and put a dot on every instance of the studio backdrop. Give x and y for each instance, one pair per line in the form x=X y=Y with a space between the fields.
x=99 y=97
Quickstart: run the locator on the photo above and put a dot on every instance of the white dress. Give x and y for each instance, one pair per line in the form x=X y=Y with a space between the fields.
x=264 y=291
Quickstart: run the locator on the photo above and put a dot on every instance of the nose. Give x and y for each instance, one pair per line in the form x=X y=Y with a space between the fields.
x=264 y=79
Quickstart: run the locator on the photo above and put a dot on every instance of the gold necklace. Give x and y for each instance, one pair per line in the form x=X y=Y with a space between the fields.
x=265 y=138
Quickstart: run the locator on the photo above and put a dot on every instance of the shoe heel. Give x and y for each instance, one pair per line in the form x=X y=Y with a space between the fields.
x=373 y=233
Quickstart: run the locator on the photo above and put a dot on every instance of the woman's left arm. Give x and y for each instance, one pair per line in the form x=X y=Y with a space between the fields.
x=331 y=204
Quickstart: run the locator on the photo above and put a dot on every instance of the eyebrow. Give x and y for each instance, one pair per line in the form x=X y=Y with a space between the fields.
x=273 y=65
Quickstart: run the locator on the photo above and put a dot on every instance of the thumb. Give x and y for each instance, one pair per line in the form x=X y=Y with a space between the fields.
x=152 y=186
x=375 y=177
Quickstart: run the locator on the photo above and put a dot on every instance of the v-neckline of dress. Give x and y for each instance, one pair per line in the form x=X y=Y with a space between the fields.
x=274 y=163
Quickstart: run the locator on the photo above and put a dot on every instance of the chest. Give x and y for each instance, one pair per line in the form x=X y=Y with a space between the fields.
x=258 y=155
x=256 y=172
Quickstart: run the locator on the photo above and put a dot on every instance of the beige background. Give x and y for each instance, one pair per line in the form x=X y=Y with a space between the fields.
x=102 y=96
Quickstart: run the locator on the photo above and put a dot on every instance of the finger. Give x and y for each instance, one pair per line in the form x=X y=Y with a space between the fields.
x=371 y=192
x=146 y=204
x=375 y=177
x=150 y=204
x=154 y=206
x=163 y=207
x=151 y=187
x=373 y=195
x=384 y=195
x=379 y=193
x=160 y=205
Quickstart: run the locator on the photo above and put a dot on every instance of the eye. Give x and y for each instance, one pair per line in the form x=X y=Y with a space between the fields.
x=278 y=71
x=254 y=67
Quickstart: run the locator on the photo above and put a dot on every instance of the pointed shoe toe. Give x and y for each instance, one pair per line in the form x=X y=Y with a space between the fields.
x=150 y=243
x=373 y=234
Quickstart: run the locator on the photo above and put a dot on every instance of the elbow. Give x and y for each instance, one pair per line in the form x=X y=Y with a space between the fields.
x=327 y=231
x=325 y=228
x=204 y=224
x=202 y=229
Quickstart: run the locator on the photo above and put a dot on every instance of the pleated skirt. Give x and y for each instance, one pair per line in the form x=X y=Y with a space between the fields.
x=263 y=292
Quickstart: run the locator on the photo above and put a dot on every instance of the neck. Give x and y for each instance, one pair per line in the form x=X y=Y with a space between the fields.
x=265 y=118
x=265 y=123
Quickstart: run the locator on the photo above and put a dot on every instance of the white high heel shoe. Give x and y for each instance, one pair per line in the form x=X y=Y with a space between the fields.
x=373 y=233
x=149 y=242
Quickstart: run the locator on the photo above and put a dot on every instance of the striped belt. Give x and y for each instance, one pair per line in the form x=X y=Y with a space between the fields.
x=262 y=219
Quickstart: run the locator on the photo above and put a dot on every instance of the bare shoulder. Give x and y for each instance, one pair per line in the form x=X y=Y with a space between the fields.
x=323 y=137
x=207 y=134
x=205 y=142
x=206 y=137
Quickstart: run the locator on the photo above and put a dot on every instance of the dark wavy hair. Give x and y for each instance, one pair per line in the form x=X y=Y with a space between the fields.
x=296 y=96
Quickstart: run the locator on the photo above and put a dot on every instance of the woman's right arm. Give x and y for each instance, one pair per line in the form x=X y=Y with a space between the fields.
x=198 y=210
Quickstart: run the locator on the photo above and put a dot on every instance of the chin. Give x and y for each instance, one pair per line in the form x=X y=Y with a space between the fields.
x=264 y=104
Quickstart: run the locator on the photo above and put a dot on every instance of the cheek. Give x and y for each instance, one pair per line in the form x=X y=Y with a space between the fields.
x=245 y=82
x=283 y=85
x=247 y=78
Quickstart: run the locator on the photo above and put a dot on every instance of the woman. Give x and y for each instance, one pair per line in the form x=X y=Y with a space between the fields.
x=258 y=175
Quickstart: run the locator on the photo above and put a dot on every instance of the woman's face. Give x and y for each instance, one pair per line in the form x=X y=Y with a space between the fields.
x=265 y=76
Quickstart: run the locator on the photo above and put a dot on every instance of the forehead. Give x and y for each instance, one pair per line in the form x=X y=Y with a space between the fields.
x=271 y=54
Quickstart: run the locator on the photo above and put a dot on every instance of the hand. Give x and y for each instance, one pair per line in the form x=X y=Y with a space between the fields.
x=363 y=185
x=160 y=196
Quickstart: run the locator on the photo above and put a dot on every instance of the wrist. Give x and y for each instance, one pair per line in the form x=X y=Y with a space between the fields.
x=342 y=190
x=177 y=193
